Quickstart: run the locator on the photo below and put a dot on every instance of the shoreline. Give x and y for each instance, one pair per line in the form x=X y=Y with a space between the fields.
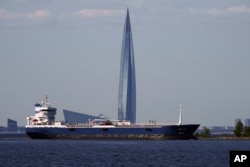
x=13 y=135
x=225 y=138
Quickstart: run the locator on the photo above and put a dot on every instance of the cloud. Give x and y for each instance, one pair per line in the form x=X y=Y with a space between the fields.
x=138 y=3
x=38 y=15
x=90 y=13
x=239 y=9
x=229 y=11
x=6 y=15
x=215 y=12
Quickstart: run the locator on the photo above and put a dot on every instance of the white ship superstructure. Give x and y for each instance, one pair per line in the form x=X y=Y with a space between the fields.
x=44 y=114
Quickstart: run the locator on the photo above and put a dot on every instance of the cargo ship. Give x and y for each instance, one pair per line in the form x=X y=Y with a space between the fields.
x=42 y=125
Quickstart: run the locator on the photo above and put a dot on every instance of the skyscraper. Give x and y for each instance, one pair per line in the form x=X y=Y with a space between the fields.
x=127 y=84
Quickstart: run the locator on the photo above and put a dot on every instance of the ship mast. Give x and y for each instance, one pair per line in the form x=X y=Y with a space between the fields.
x=180 y=117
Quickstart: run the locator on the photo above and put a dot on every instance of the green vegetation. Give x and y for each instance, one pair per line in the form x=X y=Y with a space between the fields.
x=246 y=131
x=241 y=131
x=197 y=135
x=206 y=133
x=238 y=129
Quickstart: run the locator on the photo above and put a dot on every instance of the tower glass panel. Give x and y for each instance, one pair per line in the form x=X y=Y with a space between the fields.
x=127 y=84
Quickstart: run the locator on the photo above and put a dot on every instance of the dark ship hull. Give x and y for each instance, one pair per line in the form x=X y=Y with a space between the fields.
x=134 y=132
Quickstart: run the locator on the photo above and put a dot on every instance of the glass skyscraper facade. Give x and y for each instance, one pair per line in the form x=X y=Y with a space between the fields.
x=127 y=84
x=76 y=117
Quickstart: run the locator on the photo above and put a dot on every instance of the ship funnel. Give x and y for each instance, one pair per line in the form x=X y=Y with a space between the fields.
x=180 y=117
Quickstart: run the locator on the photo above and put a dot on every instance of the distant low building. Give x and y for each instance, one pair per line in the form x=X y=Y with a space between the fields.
x=237 y=120
x=247 y=122
x=218 y=130
x=12 y=125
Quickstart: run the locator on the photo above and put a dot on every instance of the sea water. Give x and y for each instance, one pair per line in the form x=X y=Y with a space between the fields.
x=127 y=153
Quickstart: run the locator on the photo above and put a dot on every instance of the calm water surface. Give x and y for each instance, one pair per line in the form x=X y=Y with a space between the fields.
x=200 y=153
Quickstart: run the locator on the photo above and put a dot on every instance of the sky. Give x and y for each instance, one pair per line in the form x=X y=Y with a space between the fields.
x=189 y=52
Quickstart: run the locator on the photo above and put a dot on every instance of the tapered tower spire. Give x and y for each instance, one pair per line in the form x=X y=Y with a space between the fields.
x=127 y=84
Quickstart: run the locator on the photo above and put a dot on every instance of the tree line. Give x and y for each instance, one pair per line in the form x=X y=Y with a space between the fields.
x=241 y=131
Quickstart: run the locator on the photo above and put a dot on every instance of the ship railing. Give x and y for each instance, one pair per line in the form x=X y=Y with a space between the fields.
x=46 y=126
x=147 y=125
x=160 y=124
x=138 y=125
x=73 y=125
